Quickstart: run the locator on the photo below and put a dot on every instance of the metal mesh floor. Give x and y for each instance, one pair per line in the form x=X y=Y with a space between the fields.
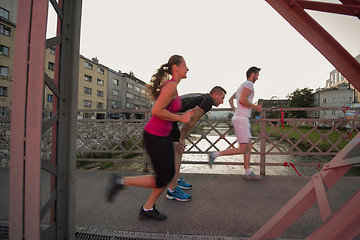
x=100 y=234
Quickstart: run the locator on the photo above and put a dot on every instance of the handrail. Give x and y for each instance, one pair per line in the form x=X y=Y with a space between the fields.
x=118 y=138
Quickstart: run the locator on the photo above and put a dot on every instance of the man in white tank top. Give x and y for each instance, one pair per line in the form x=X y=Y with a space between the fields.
x=244 y=97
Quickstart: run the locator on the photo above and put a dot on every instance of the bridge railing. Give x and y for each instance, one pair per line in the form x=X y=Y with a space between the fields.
x=117 y=136
x=271 y=136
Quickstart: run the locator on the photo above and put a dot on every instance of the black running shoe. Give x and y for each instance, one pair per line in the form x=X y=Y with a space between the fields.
x=114 y=186
x=153 y=214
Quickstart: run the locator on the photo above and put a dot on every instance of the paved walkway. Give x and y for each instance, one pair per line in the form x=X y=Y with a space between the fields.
x=222 y=205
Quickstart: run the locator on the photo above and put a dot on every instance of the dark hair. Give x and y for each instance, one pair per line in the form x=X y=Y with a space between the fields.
x=162 y=75
x=252 y=70
x=217 y=89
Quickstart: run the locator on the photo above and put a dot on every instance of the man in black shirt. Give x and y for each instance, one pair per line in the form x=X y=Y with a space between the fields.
x=201 y=103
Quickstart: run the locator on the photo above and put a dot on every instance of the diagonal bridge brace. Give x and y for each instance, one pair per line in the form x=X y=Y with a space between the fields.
x=293 y=11
x=313 y=192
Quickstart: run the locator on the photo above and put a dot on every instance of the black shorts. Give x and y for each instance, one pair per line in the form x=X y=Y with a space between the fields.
x=161 y=152
x=175 y=132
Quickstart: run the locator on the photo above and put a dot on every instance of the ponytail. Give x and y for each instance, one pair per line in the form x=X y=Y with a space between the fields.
x=161 y=76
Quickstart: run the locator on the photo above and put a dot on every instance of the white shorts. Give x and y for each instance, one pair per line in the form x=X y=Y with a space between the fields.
x=242 y=129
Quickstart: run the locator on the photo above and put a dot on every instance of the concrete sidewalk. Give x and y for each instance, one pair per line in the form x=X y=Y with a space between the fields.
x=222 y=205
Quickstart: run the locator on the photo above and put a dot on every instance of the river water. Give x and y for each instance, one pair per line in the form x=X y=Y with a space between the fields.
x=239 y=169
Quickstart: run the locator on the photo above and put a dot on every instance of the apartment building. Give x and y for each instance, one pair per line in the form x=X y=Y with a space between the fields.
x=92 y=89
x=7 y=39
x=333 y=97
x=100 y=88
x=125 y=92
x=136 y=96
x=337 y=78
x=337 y=93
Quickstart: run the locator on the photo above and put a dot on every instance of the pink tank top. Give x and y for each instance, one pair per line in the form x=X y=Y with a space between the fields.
x=160 y=127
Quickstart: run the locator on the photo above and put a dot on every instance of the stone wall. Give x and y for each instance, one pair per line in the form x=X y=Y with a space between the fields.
x=93 y=136
x=4 y=142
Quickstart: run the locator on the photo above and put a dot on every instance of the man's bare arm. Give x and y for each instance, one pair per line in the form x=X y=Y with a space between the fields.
x=231 y=101
x=197 y=114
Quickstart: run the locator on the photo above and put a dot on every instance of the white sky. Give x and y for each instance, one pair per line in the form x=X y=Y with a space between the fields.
x=219 y=40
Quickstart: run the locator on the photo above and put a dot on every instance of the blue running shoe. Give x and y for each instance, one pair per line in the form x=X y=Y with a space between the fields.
x=211 y=158
x=183 y=185
x=178 y=194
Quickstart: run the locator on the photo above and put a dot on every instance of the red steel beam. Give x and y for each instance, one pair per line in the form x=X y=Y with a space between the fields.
x=337 y=55
x=351 y=2
x=304 y=199
x=24 y=197
x=344 y=224
x=321 y=196
x=352 y=10
x=33 y=120
x=18 y=121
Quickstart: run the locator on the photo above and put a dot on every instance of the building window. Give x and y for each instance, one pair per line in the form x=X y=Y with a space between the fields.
x=3 y=91
x=324 y=112
x=4 y=13
x=130 y=86
x=137 y=89
x=114 y=103
x=100 y=82
x=101 y=71
x=50 y=98
x=87 y=90
x=51 y=66
x=4 y=50
x=86 y=115
x=115 y=92
x=5 y=30
x=333 y=99
x=333 y=112
x=342 y=99
x=100 y=93
x=3 y=111
x=129 y=105
x=87 y=103
x=115 y=82
x=88 y=65
x=129 y=95
x=52 y=50
x=324 y=100
x=4 y=71
x=88 y=78
x=99 y=105
x=350 y=100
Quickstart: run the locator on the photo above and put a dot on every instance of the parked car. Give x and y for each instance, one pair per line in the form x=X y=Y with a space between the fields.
x=116 y=116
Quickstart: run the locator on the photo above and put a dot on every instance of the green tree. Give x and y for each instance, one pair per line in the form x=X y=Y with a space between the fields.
x=300 y=98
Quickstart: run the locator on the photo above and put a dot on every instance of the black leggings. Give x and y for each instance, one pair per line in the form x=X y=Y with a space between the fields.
x=161 y=152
